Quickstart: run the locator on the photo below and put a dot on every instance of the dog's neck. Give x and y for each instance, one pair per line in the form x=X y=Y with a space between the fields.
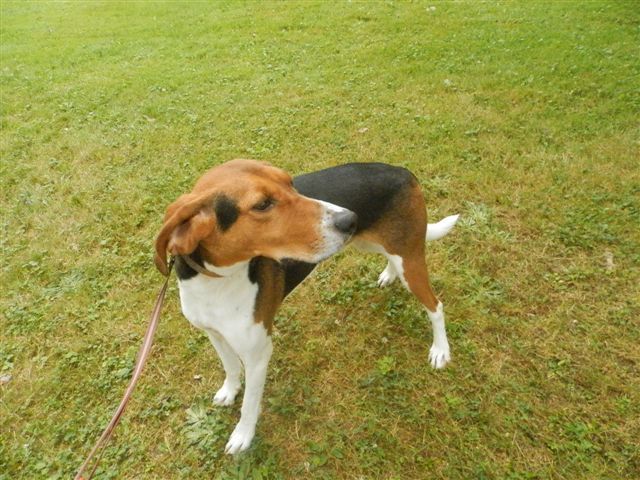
x=191 y=266
x=232 y=271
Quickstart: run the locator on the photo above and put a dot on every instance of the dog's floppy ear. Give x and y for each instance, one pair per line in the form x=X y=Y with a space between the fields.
x=188 y=220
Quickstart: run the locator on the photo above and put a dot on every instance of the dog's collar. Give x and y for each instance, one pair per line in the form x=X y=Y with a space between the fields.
x=199 y=268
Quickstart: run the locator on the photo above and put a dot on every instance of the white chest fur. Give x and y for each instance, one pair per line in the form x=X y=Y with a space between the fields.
x=224 y=308
x=219 y=304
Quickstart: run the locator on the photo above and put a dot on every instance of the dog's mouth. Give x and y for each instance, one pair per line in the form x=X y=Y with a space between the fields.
x=320 y=251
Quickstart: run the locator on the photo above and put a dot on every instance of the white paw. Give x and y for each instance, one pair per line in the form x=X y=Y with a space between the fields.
x=226 y=395
x=240 y=440
x=387 y=277
x=439 y=356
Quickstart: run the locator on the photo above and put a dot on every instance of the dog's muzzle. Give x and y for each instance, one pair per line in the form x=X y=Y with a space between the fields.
x=345 y=221
x=338 y=226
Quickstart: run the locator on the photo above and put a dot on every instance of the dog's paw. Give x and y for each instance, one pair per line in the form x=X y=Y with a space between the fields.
x=439 y=356
x=226 y=395
x=387 y=277
x=240 y=440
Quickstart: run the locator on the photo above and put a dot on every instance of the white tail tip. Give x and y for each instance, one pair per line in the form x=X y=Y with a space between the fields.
x=436 y=231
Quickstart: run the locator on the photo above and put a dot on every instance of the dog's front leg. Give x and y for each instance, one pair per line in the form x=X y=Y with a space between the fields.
x=232 y=368
x=255 y=356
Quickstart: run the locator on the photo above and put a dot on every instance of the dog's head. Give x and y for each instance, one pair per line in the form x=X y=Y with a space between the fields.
x=244 y=209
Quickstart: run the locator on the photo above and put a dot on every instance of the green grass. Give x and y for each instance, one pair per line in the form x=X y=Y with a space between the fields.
x=521 y=116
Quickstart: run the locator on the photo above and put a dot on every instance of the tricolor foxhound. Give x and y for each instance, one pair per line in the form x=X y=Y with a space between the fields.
x=260 y=233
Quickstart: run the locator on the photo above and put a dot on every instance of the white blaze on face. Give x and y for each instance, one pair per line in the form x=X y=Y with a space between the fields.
x=332 y=238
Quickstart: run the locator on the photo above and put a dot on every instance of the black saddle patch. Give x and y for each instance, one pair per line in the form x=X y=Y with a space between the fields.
x=367 y=189
x=226 y=212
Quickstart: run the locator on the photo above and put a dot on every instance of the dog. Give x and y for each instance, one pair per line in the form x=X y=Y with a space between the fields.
x=248 y=234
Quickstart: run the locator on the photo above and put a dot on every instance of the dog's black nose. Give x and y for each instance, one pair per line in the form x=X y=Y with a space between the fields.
x=345 y=221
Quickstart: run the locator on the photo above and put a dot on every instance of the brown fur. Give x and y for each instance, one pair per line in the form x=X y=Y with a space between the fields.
x=270 y=278
x=403 y=234
x=191 y=222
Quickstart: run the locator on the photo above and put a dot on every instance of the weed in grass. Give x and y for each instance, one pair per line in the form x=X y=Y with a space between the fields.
x=204 y=430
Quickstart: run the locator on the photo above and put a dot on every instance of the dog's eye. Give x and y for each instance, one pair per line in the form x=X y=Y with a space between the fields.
x=264 y=205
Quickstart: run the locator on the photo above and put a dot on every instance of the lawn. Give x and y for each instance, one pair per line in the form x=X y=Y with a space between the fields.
x=521 y=116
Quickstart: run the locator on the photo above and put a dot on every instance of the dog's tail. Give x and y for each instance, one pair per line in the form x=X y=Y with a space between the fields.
x=435 y=231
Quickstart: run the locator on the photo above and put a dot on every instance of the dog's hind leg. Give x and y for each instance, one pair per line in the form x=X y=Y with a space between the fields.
x=400 y=235
x=390 y=273
x=417 y=279
x=411 y=269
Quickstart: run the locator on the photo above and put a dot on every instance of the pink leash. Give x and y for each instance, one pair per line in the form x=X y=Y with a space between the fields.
x=140 y=361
